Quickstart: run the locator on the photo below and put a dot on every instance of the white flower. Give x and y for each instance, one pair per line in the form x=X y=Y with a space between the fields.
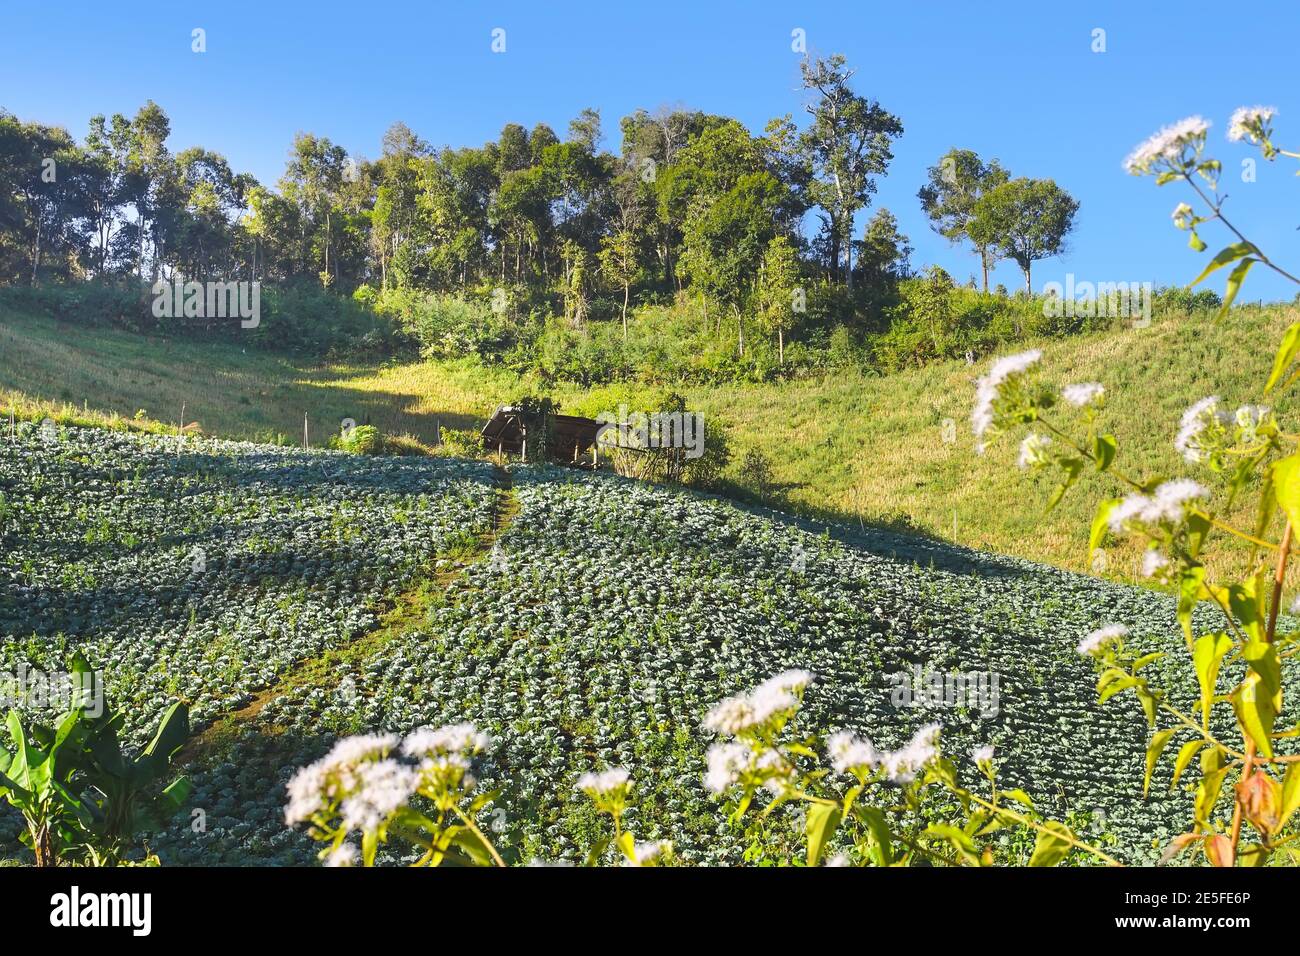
x=902 y=766
x=745 y=712
x=1083 y=393
x=1247 y=121
x=1168 y=501
x=1033 y=450
x=647 y=854
x=726 y=762
x=345 y=854
x=383 y=786
x=982 y=754
x=453 y=738
x=1295 y=606
x=1182 y=212
x=839 y=859
x=1166 y=505
x=850 y=754
x=334 y=775
x=1195 y=420
x=988 y=387
x=1094 y=641
x=1167 y=145
x=1153 y=562
x=605 y=782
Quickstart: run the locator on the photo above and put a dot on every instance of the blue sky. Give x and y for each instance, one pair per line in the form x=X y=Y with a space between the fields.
x=1019 y=83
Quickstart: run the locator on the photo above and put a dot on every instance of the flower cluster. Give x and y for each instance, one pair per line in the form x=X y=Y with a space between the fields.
x=359 y=787
x=1168 y=147
x=1166 y=506
x=991 y=389
x=1083 y=394
x=1094 y=642
x=1174 y=147
x=1251 y=123
x=758 y=710
x=857 y=756
x=1034 y=451
x=755 y=718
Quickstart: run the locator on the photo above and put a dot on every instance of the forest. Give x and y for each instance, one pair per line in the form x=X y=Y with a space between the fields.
x=539 y=250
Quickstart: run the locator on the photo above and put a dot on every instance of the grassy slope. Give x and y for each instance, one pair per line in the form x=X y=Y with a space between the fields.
x=847 y=445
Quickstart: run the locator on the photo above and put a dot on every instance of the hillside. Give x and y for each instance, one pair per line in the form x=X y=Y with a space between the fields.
x=583 y=620
x=848 y=446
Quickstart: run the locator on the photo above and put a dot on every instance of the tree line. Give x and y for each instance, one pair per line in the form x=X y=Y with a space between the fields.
x=690 y=202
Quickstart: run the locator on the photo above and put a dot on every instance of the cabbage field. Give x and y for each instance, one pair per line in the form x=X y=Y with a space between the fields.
x=590 y=622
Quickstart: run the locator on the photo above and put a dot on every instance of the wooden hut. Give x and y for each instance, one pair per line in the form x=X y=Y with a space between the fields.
x=568 y=438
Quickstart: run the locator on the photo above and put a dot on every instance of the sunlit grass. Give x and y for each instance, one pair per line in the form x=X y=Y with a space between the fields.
x=849 y=445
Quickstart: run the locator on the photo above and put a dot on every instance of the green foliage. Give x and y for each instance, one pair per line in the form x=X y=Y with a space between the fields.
x=1180 y=521
x=1024 y=220
x=82 y=799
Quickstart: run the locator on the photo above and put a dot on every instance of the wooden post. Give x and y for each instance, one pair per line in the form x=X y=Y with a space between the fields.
x=182 y=431
x=306 y=436
x=437 y=433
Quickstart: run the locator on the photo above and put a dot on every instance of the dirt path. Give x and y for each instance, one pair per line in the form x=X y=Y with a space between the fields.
x=408 y=611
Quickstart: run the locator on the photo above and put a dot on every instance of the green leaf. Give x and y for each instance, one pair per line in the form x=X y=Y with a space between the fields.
x=1051 y=846
x=959 y=839
x=1286 y=354
x=175 y=794
x=1072 y=467
x=1263 y=660
x=1207 y=793
x=1234 y=285
x=1231 y=253
x=1019 y=796
x=1196 y=242
x=1100 y=522
x=1185 y=755
x=1159 y=740
x=1254 y=706
x=1207 y=655
x=473 y=847
x=882 y=848
x=1191 y=590
x=823 y=818
x=1286 y=487
x=1290 y=793
x=1103 y=449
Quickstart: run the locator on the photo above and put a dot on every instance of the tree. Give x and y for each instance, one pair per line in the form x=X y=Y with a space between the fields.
x=777 y=288
x=1025 y=220
x=313 y=180
x=725 y=241
x=883 y=252
x=955 y=185
x=618 y=260
x=846 y=145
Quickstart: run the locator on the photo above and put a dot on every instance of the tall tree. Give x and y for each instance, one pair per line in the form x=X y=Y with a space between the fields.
x=618 y=260
x=846 y=145
x=955 y=184
x=1025 y=220
x=313 y=181
x=777 y=287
